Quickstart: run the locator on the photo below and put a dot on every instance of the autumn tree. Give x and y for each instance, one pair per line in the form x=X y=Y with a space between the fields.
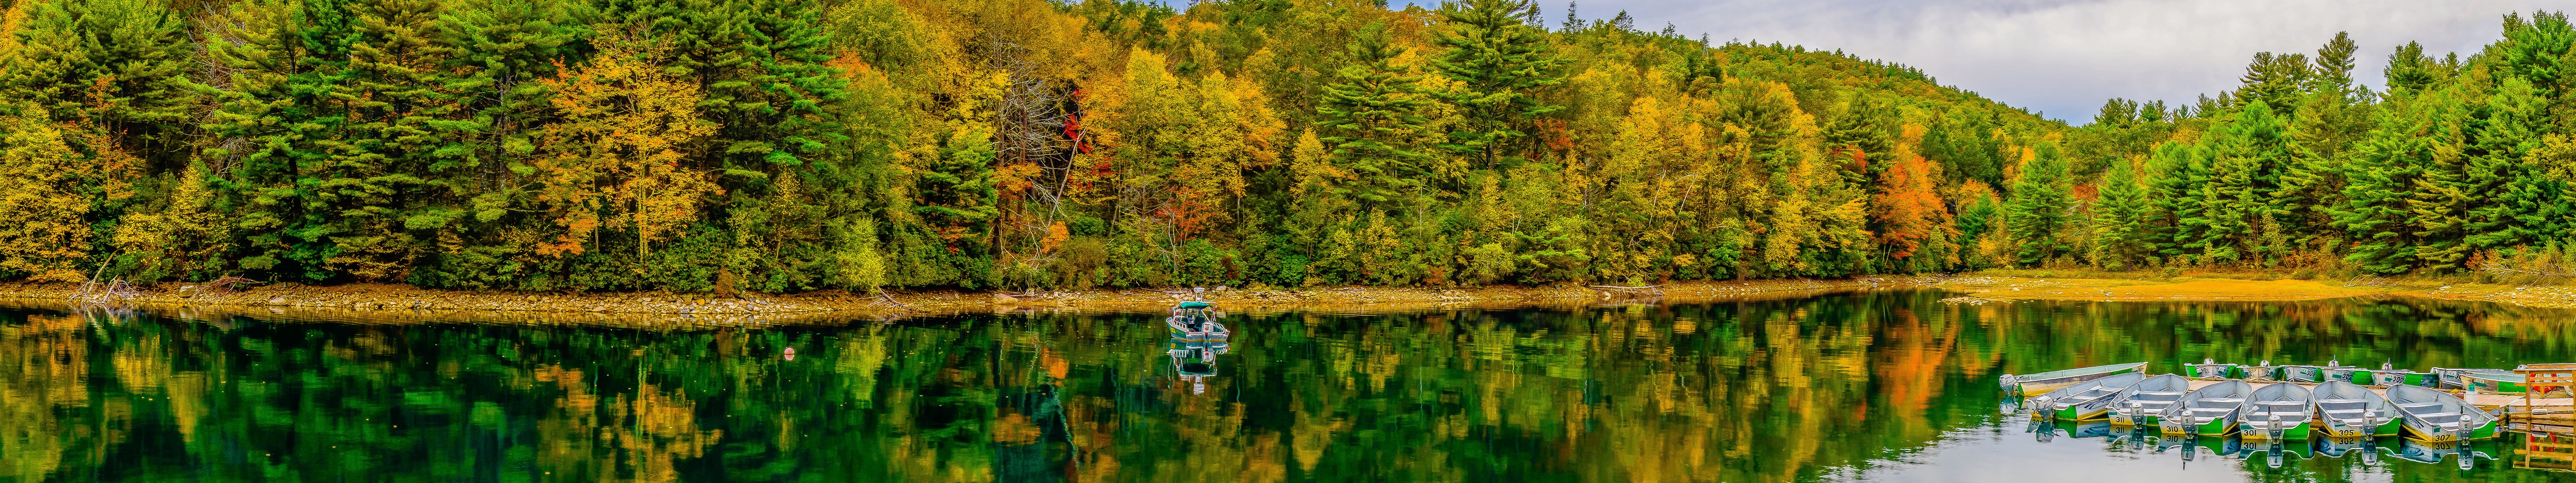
x=614 y=160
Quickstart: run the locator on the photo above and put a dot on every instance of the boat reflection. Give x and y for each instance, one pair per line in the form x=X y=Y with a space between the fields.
x=2430 y=452
x=1195 y=360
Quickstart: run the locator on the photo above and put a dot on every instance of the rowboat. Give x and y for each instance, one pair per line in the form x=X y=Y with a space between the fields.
x=2085 y=400
x=2208 y=411
x=1196 y=321
x=2347 y=410
x=2389 y=375
x=2277 y=411
x=2305 y=373
x=2210 y=368
x=2054 y=380
x=2494 y=381
x=2353 y=375
x=2437 y=416
x=2457 y=378
x=2144 y=403
x=2259 y=372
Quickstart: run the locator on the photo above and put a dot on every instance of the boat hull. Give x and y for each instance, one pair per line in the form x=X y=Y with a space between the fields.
x=2081 y=412
x=2390 y=428
x=2126 y=420
x=2026 y=385
x=2216 y=427
x=2419 y=433
x=2297 y=432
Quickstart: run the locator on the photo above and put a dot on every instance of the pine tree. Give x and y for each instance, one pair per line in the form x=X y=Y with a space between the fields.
x=121 y=64
x=2176 y=214
x=410 y=143
x=285 y=57
x=503 y=48
x=1501 y=62
x=2437 y=198
x=2322 y=139
x=1367 y=120
x=2116 y=219
x=2042 y=207
x=2409 y=70
x=2277 y=80
x=2511 y=196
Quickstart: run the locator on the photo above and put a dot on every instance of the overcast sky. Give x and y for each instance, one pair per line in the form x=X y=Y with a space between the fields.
x=2064 y=57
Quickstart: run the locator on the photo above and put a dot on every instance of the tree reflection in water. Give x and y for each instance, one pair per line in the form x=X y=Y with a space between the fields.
x=1859 y=385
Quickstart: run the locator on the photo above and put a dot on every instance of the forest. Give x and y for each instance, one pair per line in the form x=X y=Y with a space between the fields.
x=732 y=146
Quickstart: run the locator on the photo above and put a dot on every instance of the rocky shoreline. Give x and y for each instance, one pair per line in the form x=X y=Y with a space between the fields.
x=381 y=303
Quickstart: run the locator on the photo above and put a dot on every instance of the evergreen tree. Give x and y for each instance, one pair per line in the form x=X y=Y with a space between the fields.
x=2278 y=80
x=2176 y=213
x=2042 y=207
x=1501 y=62
x=2117 y=214
x=2512 y=196
x=2322 y=138
x=121 y=64
x=1366 y=120
x=279 y=112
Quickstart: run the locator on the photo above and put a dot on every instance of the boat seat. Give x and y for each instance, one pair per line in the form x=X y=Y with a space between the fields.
x=2419 y=405
x=2338 y=401
x=2159 y=393
x=2224 y=400
x=2431 y=416
x=2346 y=411
x=2281 y=403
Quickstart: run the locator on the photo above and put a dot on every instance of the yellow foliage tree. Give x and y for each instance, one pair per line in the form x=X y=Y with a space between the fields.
x=44 y=230
x=183 y=236
x=617 y=155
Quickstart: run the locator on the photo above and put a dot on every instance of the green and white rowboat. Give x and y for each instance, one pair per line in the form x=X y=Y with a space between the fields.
x=2208 y=411
x=2145 y=403
x=2437 y=416
x=2210 y=368
x=2279 y=409
x=2044 y=382
x=2302 y=373
x=2085 y=400
x=2494 y=381
x=2389 y=375
x=2347 y=410
x=2458 y=378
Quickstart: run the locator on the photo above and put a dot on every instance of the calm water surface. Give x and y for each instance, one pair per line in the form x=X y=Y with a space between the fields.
x=1877 y=386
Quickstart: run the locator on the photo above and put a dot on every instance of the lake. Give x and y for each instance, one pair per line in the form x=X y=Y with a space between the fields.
x=1860 y=386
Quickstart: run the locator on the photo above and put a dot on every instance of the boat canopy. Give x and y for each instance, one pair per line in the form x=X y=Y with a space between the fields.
x=1195 y=305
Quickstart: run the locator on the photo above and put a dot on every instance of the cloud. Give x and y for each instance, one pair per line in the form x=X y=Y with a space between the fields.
x=2064 y=57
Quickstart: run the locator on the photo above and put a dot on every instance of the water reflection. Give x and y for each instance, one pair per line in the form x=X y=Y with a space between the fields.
x=1886 y=386
x=1195 y=360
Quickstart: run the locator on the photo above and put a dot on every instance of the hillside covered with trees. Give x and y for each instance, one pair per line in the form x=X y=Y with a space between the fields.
x=787 y=145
